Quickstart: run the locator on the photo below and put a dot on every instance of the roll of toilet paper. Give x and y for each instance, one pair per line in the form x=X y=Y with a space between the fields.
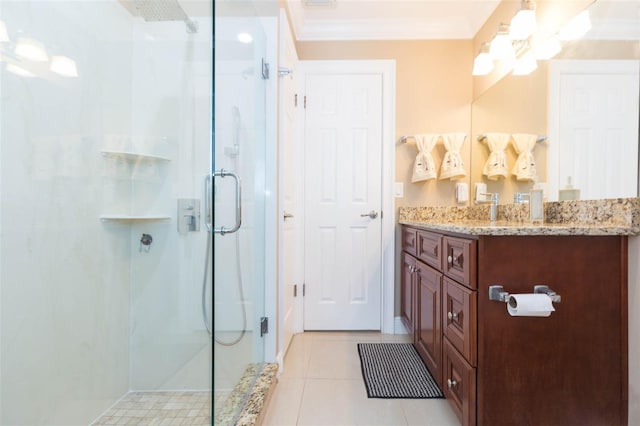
x=530 y=305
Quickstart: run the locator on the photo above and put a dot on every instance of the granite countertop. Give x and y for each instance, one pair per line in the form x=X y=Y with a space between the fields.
x=479 y=227
x=620 y=216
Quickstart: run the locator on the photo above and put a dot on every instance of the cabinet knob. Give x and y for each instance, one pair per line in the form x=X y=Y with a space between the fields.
x=452 y=315
x=451 y=383
x=450 y=259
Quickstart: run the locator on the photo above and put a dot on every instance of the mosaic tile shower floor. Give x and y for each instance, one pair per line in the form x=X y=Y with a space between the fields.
x=159 y=409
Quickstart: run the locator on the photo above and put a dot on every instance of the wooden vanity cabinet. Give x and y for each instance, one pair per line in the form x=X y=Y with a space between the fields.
x=428 y=328
x=407 y=291
x=570 y=368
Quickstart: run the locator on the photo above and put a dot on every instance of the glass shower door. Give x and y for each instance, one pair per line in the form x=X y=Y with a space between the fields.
x=239 y=211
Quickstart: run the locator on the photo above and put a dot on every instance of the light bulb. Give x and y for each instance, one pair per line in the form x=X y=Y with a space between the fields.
x=501 y=47
x=483 y=63
x=526 y=64
x=547 y=49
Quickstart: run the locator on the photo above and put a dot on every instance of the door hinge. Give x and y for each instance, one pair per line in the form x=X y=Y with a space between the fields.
x=304 y=289
x=265 y=69
x=295 y=290
x=264 y=326
x=305 y=102
x=381 y=214
x=295 y=100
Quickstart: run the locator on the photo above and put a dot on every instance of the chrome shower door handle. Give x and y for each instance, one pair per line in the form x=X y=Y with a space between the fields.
x=238 y=203
x=207 y=202
x=372 y=214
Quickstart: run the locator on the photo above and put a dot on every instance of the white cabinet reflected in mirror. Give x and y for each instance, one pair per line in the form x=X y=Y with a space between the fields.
x=585 y=101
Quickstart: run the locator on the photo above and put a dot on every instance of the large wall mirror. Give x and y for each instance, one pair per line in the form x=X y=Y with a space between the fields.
x=583 y=108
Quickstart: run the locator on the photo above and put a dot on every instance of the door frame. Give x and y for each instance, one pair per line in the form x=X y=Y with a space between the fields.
x=387 y=69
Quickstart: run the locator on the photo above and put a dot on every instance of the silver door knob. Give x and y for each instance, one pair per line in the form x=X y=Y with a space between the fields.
x=372 y=214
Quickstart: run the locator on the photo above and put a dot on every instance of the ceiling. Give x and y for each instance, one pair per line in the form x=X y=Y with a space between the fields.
x=432 y=19
x=389 y=19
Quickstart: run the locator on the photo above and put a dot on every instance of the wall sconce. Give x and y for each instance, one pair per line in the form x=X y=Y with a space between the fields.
x=576 y=28
x=524 y=23
x=4 y=36
x=63 y=66
x=483 y=64
x=501 y=46
x=31 y=49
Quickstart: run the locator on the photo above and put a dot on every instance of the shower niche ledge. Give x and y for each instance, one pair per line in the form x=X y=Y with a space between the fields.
x=134 y=218
x=133 y=156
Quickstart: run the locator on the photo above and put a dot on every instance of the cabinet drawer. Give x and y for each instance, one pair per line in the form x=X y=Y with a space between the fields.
x=459 y=260
x=409 y=240
x=459 y=322
x=459 y=385
x=429 y=248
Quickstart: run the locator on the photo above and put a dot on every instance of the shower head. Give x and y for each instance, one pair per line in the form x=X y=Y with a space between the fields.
x=160 y=10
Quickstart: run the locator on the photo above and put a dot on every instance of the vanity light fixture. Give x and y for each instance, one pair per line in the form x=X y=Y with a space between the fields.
x=523 y=23
x=525 y=64
x=547 y=49
x=64 y=66
x=483 y=64
x=31 y=49
x=501 y=46
x=4 y=36
x=576 y=28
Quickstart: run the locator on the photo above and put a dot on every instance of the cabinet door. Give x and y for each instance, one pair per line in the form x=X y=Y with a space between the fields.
x=459 y=320
x=409 y=240
x=429 y=248
x=459 y=260
x=407 y=289
x=459 y=385
x=428 y=321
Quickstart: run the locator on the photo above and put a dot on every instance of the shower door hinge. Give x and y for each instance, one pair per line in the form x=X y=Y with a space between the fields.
x=265 y=70
x=264 y=326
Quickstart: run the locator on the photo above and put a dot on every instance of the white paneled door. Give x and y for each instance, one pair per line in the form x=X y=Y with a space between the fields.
x=594 y=127
x=343 y=162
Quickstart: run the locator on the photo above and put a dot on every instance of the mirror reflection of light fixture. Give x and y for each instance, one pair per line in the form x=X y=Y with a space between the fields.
x=31 y=49
x=63 y=66
x=523 y=23
x=501 y=47
x=576 y=28
x=525 y=64
x=4 y=36
x=483 y=64
x=14 y=69
x=547 y=49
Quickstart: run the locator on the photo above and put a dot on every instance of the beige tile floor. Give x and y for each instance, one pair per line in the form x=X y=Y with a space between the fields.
x=321 y=384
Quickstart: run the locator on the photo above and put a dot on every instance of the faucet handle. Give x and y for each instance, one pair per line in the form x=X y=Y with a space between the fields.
x=520 y=197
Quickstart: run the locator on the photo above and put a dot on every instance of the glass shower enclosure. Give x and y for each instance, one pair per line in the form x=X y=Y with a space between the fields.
x=106 y=239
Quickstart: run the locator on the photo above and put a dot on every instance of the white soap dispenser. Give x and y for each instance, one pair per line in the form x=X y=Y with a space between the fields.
x=569 y=192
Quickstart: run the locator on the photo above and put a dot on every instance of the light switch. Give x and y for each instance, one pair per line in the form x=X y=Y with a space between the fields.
x=399 y=190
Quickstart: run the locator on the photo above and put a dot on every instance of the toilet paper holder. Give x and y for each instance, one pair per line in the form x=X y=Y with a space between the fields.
x=497 y=293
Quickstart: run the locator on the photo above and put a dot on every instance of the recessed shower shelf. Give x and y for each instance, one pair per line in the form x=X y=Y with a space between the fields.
x=133 y=218
x=133 y=156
